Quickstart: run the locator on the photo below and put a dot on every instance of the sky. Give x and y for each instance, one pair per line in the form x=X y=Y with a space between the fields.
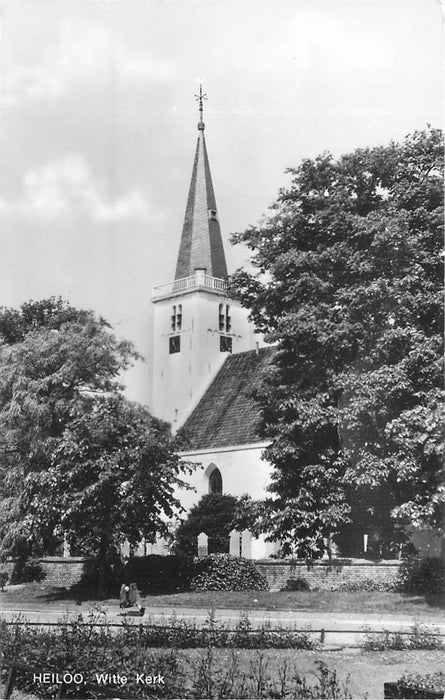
x=98 y=128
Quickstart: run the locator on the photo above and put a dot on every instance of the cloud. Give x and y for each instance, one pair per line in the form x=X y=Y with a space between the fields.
x=85 y=56
x=338 y=40
x=66 y=188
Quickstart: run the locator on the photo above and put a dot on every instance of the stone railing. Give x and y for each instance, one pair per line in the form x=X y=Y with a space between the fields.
x=198 y=280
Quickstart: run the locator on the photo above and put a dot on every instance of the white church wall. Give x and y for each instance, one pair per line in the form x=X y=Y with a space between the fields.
x=242 y=471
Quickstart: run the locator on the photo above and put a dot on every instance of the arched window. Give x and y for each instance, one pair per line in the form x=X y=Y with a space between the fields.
x=215 y=481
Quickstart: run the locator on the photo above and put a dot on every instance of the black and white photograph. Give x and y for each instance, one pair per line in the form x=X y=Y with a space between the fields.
x=221 y=349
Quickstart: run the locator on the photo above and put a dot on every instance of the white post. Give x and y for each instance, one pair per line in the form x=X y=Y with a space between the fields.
x=66 y=548
x=365 y=543
x=203 y=544
x=234 y=547
x=246 y=544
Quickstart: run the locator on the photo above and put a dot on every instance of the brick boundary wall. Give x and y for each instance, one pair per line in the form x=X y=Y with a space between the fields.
x=59 y=571
x=319 y=575
x=328 y=575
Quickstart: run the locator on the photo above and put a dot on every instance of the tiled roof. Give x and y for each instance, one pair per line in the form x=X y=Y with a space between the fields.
x=227 y=413
x=201 y=243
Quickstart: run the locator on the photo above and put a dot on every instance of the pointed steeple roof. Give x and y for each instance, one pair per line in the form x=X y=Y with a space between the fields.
x=201 y=242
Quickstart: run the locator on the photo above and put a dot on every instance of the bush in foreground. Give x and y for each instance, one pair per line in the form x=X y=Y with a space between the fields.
x=419 y=637
x=89 y=649
x=185 y=634
x=416 y=685
x=222 y=572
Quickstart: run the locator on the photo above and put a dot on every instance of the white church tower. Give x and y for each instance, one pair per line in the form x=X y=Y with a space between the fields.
x=195 y=323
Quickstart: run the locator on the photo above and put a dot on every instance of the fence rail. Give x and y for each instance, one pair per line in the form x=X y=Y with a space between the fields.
x=251 y=630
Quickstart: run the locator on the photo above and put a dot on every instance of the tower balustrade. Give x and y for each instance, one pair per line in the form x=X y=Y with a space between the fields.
x=197 y=281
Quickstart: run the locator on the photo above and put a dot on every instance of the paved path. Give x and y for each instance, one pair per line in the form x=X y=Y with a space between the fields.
x=341 y=629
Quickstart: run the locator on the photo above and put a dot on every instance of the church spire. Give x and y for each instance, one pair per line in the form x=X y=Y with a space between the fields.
x=201 y=242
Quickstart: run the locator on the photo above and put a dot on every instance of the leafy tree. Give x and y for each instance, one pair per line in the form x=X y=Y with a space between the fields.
x=348 y=284
x=81 y=461
x=213 y=515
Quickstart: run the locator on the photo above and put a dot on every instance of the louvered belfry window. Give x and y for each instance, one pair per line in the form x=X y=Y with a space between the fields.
x=176 y=318
x=225 y=321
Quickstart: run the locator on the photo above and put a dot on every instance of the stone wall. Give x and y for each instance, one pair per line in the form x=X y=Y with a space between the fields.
x=58 y=571
x=328 y=575
x=319 y=575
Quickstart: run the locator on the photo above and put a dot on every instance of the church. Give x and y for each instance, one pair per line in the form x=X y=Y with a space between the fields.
x=207 y=358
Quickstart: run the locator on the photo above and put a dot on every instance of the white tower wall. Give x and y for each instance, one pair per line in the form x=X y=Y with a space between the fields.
x=180 y=378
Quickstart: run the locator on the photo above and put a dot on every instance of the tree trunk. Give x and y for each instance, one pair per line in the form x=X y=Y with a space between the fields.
x=102 y=565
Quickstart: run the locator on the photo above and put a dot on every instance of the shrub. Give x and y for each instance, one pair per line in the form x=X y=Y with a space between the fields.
x=222 y=572
x=297 y=584
x=4 y=576
x=265 y=637
x=427 y=681
x=420 y=637
x=368 y=585
x=27 y=570
x=422 y=576
x=100 y=578
x=185 y=634
x=89 y=649
x=158 y=574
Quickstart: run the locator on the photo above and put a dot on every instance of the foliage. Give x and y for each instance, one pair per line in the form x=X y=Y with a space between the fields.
x=247 y=515
x=4 y=577
x=430 y=681
x=107 y=571
x=86 y=649
x=27 y=570
x=222 y=572
x=159 y=574
x=82 y=462
x=267 y=637
x=423 y=576
x=419 y=637
x=348 y=284
x=367 y=585
x=89 y=649
x=213 y=515
x=186 y=634
x=297 y=584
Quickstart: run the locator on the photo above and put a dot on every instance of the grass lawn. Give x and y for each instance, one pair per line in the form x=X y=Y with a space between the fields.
x=35 y=596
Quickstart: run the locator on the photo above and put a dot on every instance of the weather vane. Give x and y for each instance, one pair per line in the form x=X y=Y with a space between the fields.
x=202 y=96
